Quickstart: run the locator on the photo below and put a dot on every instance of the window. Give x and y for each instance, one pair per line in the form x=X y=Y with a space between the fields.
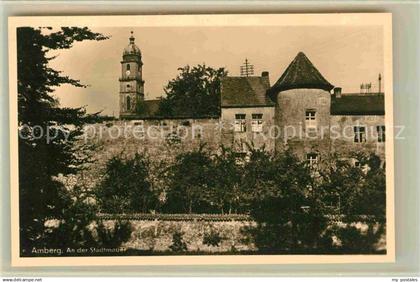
x=310 y=119
x=240 y=123
x=312 y=159
x=128 y=103
x=359 y=134
x=381 y=133
x=128 y=66
x=256 y=123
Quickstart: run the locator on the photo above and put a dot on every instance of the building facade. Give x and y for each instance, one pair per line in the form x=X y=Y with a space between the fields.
x=301 y=111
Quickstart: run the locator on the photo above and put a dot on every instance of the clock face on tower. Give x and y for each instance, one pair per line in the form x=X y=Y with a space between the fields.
x=127 y=72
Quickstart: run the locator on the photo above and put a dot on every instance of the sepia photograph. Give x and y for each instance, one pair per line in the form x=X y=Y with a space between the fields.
x=230 y=138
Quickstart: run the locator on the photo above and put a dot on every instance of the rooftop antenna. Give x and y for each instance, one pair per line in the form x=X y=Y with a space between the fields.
x=247 y=69
x=365 y=88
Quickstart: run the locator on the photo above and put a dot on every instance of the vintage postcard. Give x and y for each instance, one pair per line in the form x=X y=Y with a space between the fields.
x=201 y=139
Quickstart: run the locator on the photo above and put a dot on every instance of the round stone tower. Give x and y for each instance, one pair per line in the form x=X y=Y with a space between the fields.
x=303 y=103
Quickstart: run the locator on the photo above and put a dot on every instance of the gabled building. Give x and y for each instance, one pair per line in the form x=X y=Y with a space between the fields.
x=302 y=111
x=247 y=113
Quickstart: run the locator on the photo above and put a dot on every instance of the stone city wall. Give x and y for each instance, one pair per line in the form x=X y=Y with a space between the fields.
x=148 y=234
x=157 y=235
x=161 y=139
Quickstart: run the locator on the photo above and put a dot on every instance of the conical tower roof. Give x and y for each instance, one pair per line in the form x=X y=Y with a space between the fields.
x=301 y=73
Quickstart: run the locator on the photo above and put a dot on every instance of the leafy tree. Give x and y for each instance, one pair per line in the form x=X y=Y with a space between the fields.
x=159 y=172
x=126 y=187
x=190 y=183
x=256 y=175
x=283 y=202
x=194 y=92
x=48 y=145
x=358 y=194
x=342 y=182
x=371 y=200
x=226 y=193
x=355 y=190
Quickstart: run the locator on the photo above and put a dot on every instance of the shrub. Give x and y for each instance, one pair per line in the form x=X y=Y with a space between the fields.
x=212 y=239
x=178 y=244
x=354 y=240
x=113 y=237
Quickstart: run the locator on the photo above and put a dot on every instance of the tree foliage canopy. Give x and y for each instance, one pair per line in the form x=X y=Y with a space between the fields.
x=126 y=187
x=292 y=202
x=195 y=92
x=190 y=182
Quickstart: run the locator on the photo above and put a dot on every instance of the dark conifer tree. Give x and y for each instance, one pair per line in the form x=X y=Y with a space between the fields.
x=48 y=147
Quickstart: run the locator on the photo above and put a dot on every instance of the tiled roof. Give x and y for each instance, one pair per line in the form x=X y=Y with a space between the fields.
x=245 y=91
x=358 y=104
x=301 y=73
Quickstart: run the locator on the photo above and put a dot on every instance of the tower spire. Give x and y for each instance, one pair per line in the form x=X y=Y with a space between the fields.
x=132 y=37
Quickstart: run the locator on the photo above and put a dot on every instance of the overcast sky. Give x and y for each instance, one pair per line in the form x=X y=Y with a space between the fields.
x=345 y=56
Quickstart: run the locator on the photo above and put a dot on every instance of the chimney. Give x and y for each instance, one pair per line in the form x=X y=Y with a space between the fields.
x=379 y=84
x=265 y=75
x=337 y=92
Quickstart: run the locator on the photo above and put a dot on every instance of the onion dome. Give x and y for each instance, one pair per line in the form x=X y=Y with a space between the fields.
x=132 y=48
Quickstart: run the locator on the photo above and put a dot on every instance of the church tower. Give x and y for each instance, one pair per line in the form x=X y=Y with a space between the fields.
x=131 y=80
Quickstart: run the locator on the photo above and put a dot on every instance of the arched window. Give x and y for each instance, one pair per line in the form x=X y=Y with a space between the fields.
x=128 y=66
x=128 y=103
